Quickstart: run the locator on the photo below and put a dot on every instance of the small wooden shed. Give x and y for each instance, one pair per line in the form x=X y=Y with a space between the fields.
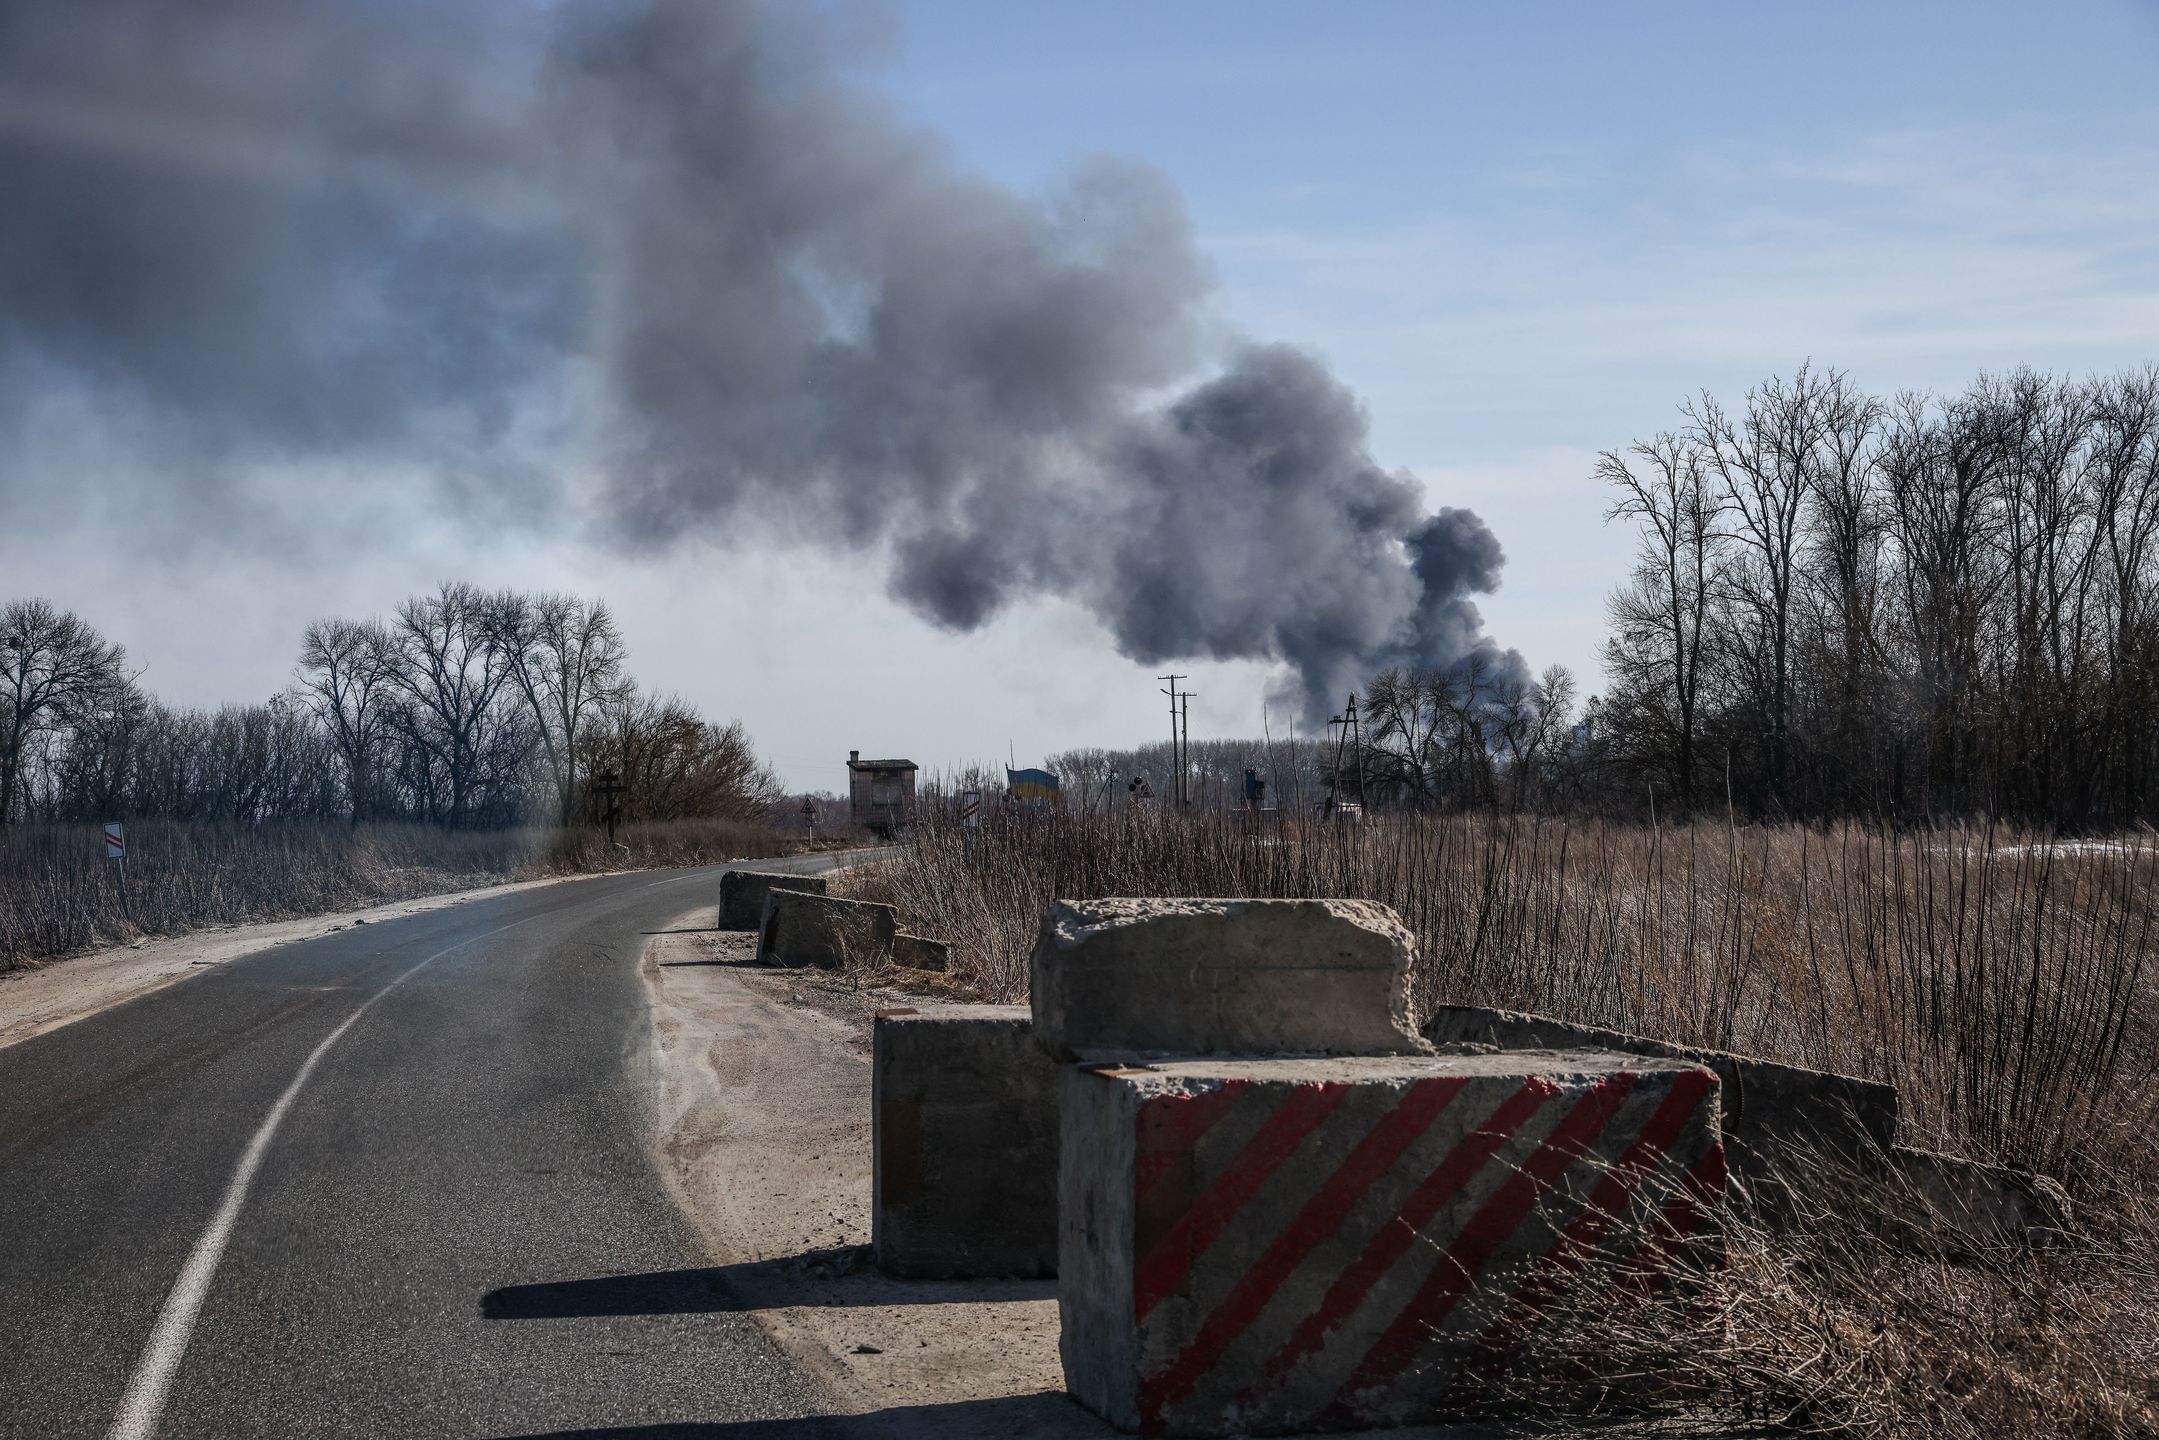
x=880 y=793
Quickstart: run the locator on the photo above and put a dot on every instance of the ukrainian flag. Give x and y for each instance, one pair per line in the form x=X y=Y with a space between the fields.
x=1031 y=787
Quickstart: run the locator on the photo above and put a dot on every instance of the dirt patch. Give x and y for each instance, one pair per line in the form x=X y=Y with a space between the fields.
x=764 y=1081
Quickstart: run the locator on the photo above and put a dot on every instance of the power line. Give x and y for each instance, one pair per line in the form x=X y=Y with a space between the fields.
x=1176 y=757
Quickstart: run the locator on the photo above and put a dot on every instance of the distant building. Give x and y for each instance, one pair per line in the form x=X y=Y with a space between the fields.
x=880 y=793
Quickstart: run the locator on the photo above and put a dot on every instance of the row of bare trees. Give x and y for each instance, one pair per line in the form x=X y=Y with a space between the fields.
x=464 y=707
x=1482 y=733
x=1916 y=606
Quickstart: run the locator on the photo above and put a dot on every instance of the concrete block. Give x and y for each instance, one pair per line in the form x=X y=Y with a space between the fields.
x=800 y=929
x=1268 y=1246
x=1772 y=1113
x=919 y=952
x=1132 y=978
x=963 y=1144
x=742 y=894
x=1972 y=1206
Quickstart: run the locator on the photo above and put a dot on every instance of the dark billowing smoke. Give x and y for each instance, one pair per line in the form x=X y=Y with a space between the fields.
x=668 y=267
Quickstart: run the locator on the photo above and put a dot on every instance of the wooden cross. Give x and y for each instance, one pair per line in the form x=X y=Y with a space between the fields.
x=607 y=785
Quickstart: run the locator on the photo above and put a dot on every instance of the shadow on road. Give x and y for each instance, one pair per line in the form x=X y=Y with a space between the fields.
x=1048 y=1415
x=1045 y=1415
x=814 y=1278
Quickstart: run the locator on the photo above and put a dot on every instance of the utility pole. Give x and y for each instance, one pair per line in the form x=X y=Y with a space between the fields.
x=1350 y=739
x=1176 y=758
x=1184 y=770
x=607 y=785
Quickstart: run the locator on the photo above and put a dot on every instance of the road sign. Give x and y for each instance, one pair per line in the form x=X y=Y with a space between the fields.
x=809 y=807
x=971 y=809
x=116 y=850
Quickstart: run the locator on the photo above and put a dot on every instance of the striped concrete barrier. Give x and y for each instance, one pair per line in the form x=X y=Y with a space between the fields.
x=1261 y=1246
x=1776 y=1117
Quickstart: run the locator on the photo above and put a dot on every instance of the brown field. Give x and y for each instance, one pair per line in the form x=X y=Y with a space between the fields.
x=59 y=895
x=2007 y=985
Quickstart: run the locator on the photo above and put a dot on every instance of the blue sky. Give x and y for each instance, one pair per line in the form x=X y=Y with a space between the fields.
x=1522 y=233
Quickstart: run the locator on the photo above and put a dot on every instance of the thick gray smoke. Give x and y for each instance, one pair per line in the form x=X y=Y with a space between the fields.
x=669 y=266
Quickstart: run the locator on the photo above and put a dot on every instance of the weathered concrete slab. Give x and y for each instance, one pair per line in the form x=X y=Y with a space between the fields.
x=1117 y=978
x=1772 y=1113
x=964 y=1144
x=802 y=929
x=742 y=894
x=920 y=952
x=1256 y=1247
x=1972 y=1206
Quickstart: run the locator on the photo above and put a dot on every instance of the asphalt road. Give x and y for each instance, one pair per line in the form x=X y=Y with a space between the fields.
x=481 y=1124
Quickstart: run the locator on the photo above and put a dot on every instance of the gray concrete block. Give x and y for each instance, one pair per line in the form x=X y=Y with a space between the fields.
x=801 y=929
x=963 y=1144
x=1971 y=1206
x=919 y=952
x=742 y=894
x=1773 y=1114
x=1117 y=978
x=1268 y=1246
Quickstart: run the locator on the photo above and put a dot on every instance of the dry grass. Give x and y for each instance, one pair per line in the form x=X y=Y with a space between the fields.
x=59 y=895
x=2006 y=985
x=1830 y=1323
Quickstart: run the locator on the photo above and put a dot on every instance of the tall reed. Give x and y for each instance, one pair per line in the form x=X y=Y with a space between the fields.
x=2007 y=985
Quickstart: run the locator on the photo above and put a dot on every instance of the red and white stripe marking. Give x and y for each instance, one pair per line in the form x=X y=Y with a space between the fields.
x=1322 y=1252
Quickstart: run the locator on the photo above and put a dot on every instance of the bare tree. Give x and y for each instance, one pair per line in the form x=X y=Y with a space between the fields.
x=2048 y=553
x=1531 y=716
x=1661 y=618
x=565 y=657
x=1939 y=473
x=1763 y=462
x=676 y=764
x=1843 y=581
x=347 y=679
x=1405 y=715
x=451 y=673
x=2125 y=504
x=52 y=665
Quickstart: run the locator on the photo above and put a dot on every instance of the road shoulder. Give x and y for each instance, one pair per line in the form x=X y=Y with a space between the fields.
x=34 y=1001
x=764 y=1133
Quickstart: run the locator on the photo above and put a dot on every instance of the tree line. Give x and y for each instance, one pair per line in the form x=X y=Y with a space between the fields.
x=1908 y=608
x=464 y=707
x=1479 y=734
x=1915 y=606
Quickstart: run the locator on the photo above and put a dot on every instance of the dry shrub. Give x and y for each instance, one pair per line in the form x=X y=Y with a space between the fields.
x=60 y=895
x=1849 y=1318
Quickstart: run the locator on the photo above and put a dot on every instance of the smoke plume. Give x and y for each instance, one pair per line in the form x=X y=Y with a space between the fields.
x=663 y=268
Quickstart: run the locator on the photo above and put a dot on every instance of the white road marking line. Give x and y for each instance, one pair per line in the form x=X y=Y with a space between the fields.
x=143 y=1405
